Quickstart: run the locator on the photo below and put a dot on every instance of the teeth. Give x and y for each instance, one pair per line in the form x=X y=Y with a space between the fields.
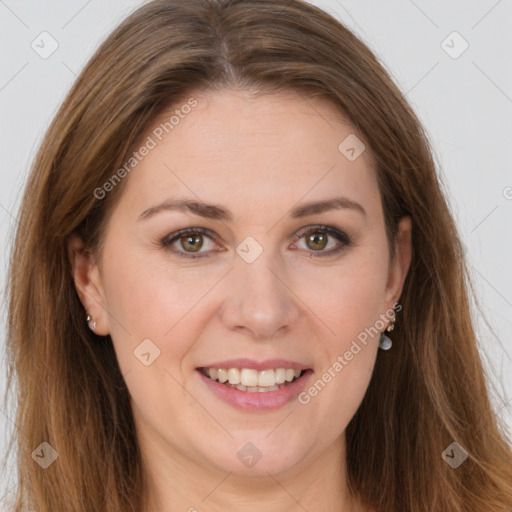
x=234 y=376
x=249 y=377
x=266 y=378
x=280 y=374
x=289 y=375
x=253 y=381
x=222 y=375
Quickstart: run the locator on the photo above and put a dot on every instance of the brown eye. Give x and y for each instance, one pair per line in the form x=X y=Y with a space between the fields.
x=316 y=241
x=191 y=242
x=321 y=240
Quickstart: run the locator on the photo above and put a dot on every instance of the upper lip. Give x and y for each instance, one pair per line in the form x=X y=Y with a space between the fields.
x=257 y=365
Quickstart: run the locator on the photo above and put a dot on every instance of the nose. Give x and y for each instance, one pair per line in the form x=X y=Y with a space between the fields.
x=259 y=301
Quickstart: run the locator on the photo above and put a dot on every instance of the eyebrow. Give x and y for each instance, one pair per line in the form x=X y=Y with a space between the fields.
x=217 y=212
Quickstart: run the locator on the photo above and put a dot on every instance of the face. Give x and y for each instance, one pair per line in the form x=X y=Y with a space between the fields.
x=259 y=281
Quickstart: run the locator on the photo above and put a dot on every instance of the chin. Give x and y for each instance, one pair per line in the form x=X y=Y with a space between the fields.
x=256 y=459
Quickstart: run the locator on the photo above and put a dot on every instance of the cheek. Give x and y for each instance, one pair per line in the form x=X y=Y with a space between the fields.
x=346 y=388
x=151 y=299
x=152 y=311
x=148 y=294
x=339 y=386
x=348 y=298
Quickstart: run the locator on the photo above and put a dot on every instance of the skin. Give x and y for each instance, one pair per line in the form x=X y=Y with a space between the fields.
x=258 y=157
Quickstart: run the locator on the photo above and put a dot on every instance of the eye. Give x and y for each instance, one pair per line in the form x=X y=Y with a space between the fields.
x=190 y=241
x=187 y=243
x=317 y=238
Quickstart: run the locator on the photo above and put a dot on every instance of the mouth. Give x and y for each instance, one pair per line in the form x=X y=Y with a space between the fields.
x=251 y=380
x=256 y=386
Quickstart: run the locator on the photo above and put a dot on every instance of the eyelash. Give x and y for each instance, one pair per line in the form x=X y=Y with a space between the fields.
x=168 y=240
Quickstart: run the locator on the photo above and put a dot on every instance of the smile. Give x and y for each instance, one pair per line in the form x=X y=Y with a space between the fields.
x=251 y=380
x=251 y=389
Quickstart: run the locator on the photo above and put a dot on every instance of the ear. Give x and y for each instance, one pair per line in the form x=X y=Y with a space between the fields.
x=86 y=276
x=400 y=265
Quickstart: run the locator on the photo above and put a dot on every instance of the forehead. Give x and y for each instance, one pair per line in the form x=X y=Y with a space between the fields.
x=247 y=151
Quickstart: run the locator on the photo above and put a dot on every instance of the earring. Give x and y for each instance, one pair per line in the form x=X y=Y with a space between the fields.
x=93 y=325
x=385 y=342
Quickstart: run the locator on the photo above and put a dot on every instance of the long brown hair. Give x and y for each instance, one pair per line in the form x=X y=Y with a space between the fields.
x=425 y=394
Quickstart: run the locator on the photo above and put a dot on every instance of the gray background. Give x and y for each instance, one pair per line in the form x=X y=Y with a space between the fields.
x=465 y=104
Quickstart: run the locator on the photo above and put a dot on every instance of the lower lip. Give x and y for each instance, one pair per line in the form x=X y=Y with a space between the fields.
x=258 y=401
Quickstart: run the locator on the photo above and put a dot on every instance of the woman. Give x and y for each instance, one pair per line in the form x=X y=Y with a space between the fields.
x=233 y=210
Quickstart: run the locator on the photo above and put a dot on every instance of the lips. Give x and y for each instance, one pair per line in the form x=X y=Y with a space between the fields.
x=270 y=384
x=256 y=365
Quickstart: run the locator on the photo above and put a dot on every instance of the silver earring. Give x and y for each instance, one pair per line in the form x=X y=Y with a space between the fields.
x=93 y=325
x=385 y=342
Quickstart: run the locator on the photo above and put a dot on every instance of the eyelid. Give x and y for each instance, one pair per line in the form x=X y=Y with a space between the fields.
x=333 y=232
x=170 y=239
x=336 y=233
